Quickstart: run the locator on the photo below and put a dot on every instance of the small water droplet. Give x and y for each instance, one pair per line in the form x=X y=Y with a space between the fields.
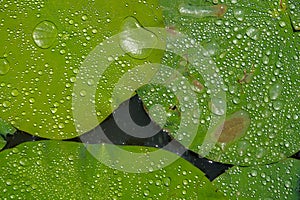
x=266 y=60
x=167 y=181
x=282 y=24
x=253 y=173
x=6 y=104
x=84 y=18
x=4 y=66
x=53 y=110
x=146 y=193
x=83 y=93
x=31 y=100
x=44 y=34
x=277 y=105
x=287 y=184
x=70 y=157
x=14 y=92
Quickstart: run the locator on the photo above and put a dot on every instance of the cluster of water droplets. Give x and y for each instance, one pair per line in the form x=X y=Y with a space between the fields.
x=255 y=57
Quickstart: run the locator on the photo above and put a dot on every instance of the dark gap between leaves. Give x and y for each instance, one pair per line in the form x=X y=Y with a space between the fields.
x=109 y=132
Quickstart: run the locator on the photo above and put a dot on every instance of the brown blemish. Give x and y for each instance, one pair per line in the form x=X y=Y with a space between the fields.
x=220 y=9
x=234 y=127
x=198 y=85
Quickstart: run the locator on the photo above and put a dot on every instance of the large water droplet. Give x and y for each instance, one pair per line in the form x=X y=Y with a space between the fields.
x=44 y=34
x=202 y=11
x=252 y=33
x=4 y=66
x=239 y=14
x=217 y=106
x=135 y=40
x=275 y=91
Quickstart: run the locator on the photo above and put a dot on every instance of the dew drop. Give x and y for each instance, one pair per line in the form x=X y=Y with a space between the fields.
x=14 y=92
x=277 y=105
x=217 y=106
x=287 y=184
x=6 y=104
x=275 y=91
x=282 y=24
x=202 y=11
x=83 y=93
x=167 y=181
x=84 y=18
x=146 y=193
x=239 y=14
x=266 y=60
x=4 y=66
x=253 y=173
x=31 y=100
x=44 y=34
x=252 y=33
x=53 y=110
x=135 y=40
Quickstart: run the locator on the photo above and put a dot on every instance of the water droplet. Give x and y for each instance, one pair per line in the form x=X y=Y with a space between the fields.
x=282 y=24
x=167 y=181
x=239 y=14
x=70 y=157
x=83 y=93
x=202 y=11
x=277 y=105
x=53 y=110
x=6 y=104
x=253 y=173
x=135 y=40
x=217 y=106
x=8 y=182
x=275 y=91
x=146 y=193
x=4 y=66
x=266 y=60
x=44 y=34
x=31 y=100
x=61 y=125
x=252 y=33
x=287 y=184
x=14 y=92
x=84 y=18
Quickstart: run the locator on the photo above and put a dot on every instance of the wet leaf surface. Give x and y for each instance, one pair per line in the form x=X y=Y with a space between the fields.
x=53 y=169
x=276 y=181
x=43 y=47
x=5 y=129
x=256 y=51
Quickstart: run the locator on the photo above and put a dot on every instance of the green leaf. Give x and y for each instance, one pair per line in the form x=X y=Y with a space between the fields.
x=5 y=128
x=2 y=142
x=294 y=10
x=55 y=169
x=275 y=181
x=44 y=47
x=256 y=53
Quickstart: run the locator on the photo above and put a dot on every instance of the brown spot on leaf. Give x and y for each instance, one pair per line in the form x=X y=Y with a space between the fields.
x=234 y=127
x=221 y=9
